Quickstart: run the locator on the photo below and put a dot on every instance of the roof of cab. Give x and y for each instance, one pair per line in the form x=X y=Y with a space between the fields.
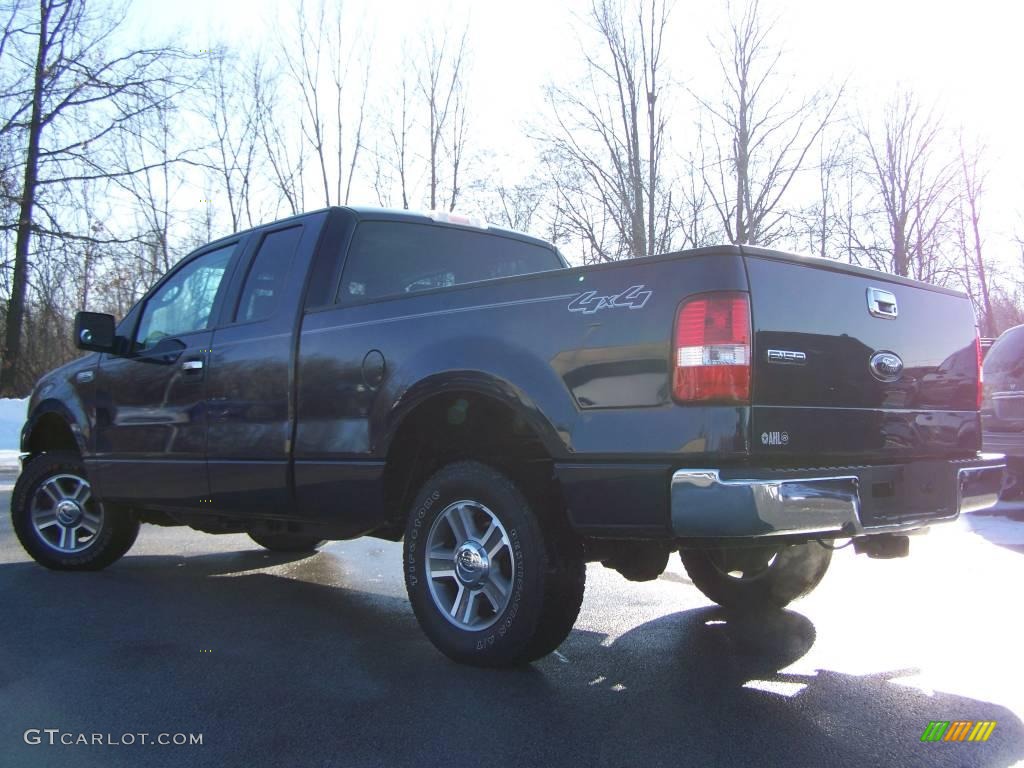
x=368 y=213
x=423 y=217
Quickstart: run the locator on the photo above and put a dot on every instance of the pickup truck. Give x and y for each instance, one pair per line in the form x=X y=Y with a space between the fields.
x=461 y=389
x=1002 y=407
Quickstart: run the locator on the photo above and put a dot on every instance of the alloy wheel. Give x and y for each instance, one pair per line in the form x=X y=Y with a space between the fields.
x=470 y=565
x=64 y=514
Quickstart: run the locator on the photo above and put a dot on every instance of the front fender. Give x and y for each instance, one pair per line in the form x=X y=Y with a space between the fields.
x=60 y=393
x=73 y=416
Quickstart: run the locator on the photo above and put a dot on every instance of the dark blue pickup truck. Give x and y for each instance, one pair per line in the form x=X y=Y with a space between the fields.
x=355 y=372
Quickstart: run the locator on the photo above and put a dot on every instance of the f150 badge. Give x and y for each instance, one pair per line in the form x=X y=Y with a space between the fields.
x=589 y=302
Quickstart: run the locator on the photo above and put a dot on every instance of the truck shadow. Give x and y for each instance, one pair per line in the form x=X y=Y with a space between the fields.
x=304 y=666
x=1002 y=526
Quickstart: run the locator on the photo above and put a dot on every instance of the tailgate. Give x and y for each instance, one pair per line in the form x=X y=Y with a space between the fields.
x=833 y=376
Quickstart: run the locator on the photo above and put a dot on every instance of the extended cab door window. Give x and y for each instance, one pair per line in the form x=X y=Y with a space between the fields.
x=184 y=303
x=389 y=258
x=266 y=280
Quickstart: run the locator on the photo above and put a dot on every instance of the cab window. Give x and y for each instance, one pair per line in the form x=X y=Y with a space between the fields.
x=398 y=259
x=266 y=279
x=184 y=302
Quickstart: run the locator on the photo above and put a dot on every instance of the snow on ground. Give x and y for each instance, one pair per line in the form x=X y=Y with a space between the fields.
x=12 y=417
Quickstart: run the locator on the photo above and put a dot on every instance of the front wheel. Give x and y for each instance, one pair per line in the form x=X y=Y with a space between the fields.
x=59 y=521
x=757 y=577
x=492 y=582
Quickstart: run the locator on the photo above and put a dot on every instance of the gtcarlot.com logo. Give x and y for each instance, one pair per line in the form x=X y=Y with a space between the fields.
x=56 y=737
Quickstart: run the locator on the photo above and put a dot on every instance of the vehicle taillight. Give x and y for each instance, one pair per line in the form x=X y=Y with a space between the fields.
x=981 y=372
x=712 y=349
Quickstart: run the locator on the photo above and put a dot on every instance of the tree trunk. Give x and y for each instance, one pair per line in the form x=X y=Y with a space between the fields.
x=982 y=276
x=899 y=251
x=433 y=154
x=16 y=305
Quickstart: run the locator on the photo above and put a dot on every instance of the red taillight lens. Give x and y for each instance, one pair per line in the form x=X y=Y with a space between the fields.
x=712 y=349
x=981 y=373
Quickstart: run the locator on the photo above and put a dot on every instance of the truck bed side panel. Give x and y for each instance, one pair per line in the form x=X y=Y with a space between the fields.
x=588 y=371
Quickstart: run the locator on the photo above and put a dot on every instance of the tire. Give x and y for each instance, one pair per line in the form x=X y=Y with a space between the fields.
x=287 y=542
x=491 y=537
x=58 y=521
x=759 y=577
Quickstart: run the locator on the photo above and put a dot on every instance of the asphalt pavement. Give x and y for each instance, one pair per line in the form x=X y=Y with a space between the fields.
x=317 y=661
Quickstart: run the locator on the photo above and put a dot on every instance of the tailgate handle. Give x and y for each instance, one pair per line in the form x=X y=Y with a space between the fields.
x=882 y=303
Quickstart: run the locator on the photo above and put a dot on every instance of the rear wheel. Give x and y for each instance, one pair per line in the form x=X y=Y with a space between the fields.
x=59 y=521
x=492 y=582
x=754 y=577
x=287 y=542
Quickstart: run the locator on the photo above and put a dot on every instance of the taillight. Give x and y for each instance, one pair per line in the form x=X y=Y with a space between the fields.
x=712 y=349
x=981 y=373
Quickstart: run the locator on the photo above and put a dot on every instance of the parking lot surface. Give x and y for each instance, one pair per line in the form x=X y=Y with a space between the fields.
x=318 y=661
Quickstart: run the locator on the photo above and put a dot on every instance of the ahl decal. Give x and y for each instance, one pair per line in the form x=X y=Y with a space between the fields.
x=588 y=303
x=775 y=438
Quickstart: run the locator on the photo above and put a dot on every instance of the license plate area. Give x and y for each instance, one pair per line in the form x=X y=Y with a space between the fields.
x=894 y=494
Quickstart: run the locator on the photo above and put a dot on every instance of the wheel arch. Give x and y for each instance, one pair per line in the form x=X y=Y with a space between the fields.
x=478 y=385
x=52 y=427
x=479 y=419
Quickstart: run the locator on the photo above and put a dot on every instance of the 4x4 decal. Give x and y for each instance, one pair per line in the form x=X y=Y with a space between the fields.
x=589 y=302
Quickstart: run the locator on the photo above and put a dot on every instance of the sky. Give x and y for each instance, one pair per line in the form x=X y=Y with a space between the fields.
x=964 y=56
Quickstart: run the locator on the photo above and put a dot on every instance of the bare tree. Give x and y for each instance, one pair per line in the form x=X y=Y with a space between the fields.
x=393 y=153
x=247 y=151
x=911 y=184
x=156 y=196
x=696 y=228
x=524 y=206
x=320 y=56
x=821 y=222
x=440 y=85
x=610 y=135
x=755 y=139
x=421 y=156
x=235 y=137
x=82 y=90
x=284 y=156
x=972 y=187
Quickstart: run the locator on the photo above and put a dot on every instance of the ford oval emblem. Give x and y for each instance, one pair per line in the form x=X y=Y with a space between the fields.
x=886 y=366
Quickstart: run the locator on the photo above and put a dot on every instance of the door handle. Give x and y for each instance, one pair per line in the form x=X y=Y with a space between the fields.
x=882 y=303
x=192 y=365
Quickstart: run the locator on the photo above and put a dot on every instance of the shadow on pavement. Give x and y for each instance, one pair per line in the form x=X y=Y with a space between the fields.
x=303 y=669
x=1004 y=530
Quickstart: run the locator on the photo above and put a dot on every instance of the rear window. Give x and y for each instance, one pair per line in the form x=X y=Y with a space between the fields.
x=397 y=259
x=1007 y=353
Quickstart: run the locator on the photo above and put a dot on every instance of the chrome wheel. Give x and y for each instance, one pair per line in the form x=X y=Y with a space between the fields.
x=64 y=514
x=470 y=565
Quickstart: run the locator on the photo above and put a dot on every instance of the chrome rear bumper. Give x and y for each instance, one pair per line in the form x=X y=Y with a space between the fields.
x=706 y=505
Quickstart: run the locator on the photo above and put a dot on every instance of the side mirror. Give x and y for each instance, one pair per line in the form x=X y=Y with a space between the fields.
x=95 y=332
